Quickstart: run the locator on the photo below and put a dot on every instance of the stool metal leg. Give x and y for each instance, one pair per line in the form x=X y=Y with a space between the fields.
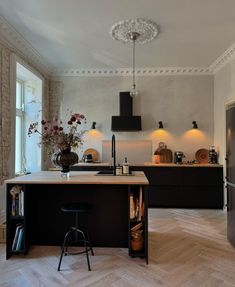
x=67 y=242
x=89 y=242
x=65 y=245
x=85 y=245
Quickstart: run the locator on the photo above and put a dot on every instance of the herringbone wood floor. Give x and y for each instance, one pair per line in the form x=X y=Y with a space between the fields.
x=186 y=248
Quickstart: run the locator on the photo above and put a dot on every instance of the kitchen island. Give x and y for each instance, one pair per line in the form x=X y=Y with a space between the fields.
x=36 y=209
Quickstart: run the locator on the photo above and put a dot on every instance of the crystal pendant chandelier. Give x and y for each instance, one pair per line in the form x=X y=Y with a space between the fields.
x=134 y=30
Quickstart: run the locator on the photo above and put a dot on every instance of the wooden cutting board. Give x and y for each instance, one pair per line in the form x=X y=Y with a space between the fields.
x=165 y=154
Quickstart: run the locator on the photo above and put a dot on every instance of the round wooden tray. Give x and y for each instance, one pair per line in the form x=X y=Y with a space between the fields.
x=202 y=155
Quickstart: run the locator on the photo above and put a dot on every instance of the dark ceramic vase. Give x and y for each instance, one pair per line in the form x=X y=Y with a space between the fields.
x=65 y=159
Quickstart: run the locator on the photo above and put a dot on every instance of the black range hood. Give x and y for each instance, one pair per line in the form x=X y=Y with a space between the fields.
x=126 y=121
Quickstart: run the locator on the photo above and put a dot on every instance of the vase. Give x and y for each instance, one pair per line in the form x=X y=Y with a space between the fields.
x=65 y=159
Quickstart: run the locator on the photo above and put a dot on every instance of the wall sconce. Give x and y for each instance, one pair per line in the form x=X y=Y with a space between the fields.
x=160 y=125
x=93 y=126
x=195 y=126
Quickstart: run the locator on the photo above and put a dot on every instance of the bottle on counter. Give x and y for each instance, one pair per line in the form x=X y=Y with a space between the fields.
x=118 y=170
x=125 y=167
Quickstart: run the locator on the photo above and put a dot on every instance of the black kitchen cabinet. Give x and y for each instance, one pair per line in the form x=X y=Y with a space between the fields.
x=180 y=186
x=185 y=186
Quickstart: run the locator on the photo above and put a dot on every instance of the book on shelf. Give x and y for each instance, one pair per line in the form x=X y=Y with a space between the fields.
x=16 y=246
x=20 y=240
x=17 y=202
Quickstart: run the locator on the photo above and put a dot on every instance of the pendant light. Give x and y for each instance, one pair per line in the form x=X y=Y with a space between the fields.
x=134 y=36
x=134 y=30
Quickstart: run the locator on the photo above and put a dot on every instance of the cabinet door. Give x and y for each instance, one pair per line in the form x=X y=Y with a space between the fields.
x=202 y=197
x=231 y=215
x=163 y=175
x=165 y=196
x=202 y=176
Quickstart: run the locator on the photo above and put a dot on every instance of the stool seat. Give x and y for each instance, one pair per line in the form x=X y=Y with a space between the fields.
x=74 y=207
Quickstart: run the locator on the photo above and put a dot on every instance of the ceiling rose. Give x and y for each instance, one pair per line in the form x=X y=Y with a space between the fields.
x=146 y=29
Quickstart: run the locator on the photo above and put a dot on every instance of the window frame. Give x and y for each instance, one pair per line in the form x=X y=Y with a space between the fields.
x=21 y=114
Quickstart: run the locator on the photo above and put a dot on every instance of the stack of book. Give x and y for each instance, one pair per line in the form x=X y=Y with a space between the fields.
x=17 y=205
x=17 y=244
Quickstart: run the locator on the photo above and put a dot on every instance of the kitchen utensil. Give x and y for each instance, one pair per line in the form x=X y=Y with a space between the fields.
x=213 y=156
x=179 y=157
x=87 y=158
x=93 y=153
x=202 y=155
x=163 y=154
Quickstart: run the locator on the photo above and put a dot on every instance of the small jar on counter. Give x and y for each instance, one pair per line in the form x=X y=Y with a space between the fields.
x=125 y=166
x=118 y=170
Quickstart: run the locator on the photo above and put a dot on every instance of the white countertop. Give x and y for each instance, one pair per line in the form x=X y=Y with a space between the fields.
x=79 y=177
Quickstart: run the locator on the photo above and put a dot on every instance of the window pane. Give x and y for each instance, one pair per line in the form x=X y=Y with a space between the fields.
x=28 y=97
x=18 y=95
x=18 y=145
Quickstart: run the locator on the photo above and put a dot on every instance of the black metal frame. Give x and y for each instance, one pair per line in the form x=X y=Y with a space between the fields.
x=83 y=240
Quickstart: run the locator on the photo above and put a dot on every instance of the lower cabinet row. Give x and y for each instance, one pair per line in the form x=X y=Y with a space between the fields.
x=180 y=186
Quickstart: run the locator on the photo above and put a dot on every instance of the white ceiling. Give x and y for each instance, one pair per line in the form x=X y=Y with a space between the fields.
x=75 y=33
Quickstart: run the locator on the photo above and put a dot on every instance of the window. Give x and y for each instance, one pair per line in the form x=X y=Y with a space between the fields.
x=28 y=110
x=19 y=151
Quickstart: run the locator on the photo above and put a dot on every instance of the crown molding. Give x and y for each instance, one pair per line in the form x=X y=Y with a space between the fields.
x=128 y=72
x=10 y=38
x=224 y=59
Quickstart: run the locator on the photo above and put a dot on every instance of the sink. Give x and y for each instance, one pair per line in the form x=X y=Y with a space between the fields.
x=110 y=172
x=105 y=172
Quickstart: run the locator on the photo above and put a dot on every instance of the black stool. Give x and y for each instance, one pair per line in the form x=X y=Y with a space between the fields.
x=76 y=208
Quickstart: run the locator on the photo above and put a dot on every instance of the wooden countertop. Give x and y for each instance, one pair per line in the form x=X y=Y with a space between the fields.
x=79 y=177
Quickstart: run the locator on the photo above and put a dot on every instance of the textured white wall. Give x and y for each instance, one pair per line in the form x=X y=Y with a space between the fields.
x=175 y=100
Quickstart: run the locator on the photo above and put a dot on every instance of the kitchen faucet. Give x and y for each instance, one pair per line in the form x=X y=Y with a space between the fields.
x=114 y=154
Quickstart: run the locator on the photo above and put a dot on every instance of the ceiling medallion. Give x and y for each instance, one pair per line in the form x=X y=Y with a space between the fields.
x=146 y=29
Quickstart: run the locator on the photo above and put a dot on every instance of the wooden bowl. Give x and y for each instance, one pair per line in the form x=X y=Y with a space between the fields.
x=137 y=244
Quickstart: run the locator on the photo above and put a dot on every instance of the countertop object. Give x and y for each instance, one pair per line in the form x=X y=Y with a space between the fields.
x=165 y=154
x=202 y=155
x=93 y=152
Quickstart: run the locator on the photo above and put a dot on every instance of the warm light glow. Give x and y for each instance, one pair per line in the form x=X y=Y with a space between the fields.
x=194 y=136
x=161 y=135
x=94 y=133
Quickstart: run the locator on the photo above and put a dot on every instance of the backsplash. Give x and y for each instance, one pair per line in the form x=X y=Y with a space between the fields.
x=137 y=152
